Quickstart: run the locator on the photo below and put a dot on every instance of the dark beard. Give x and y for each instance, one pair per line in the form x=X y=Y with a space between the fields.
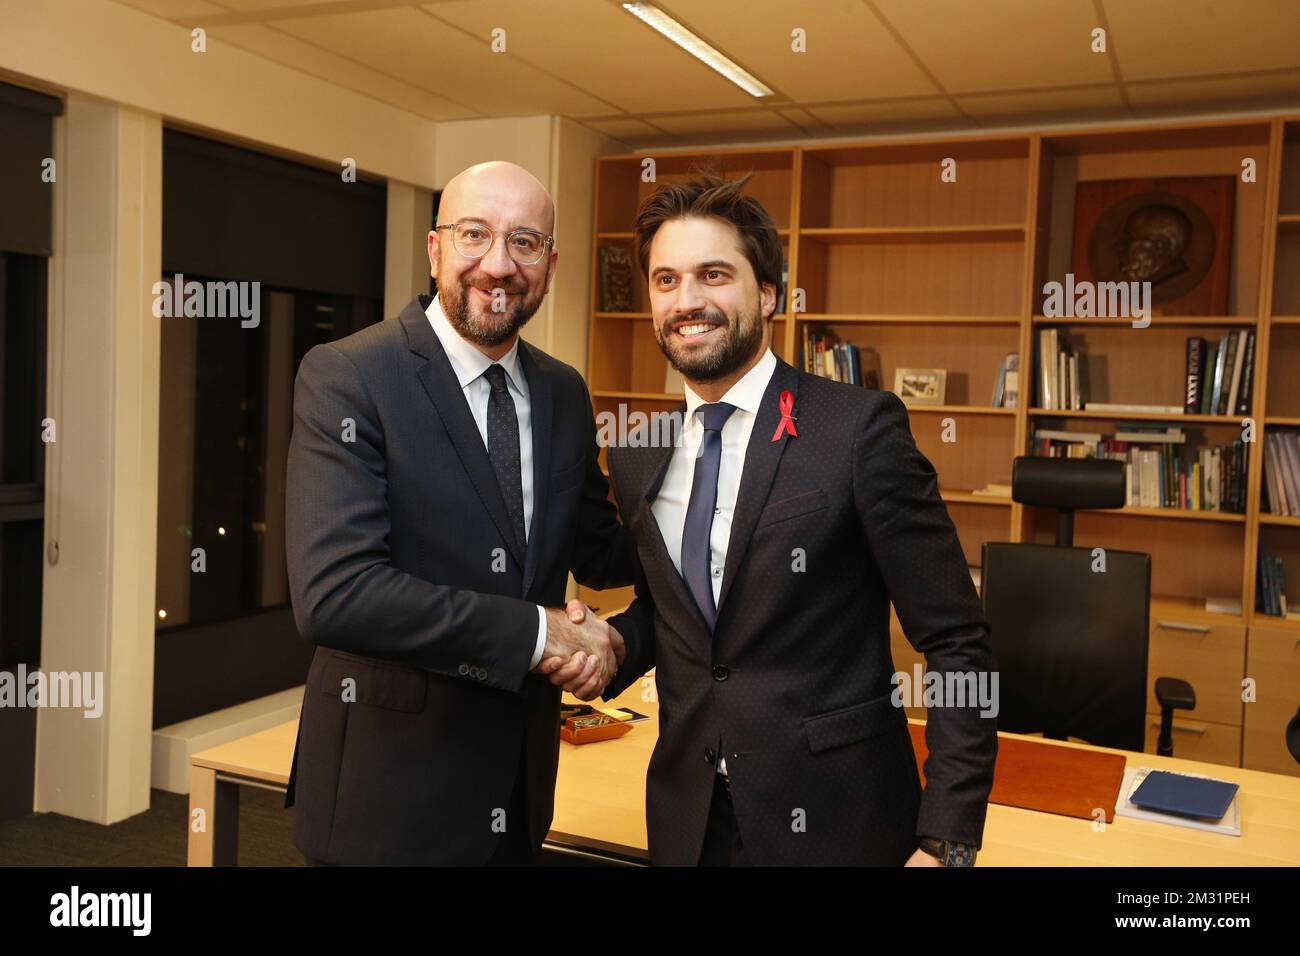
x=741 y=340
x=473 y=329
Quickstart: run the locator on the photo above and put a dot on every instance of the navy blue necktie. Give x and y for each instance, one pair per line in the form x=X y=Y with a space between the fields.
x=696 y=564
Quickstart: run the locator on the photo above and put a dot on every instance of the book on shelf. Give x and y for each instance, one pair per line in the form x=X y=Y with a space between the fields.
x=869 y=367
x=1281 y=474
x=785 y=283
x=1006 y=391
x=1247 y=376
x=1221 y=382
x=1061 y=378
x=1195 y=374
x=1270 y=585
x=1158 y=472
x=616 y=279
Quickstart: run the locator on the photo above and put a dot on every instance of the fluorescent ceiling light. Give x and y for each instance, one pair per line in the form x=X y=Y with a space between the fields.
x=652 y=16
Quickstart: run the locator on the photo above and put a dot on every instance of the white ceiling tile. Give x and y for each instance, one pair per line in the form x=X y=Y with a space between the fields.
x=418 y=49
x=268 y=42
x=850 y=54
x=1167 y=38
x=988 y=47
x=602 y=49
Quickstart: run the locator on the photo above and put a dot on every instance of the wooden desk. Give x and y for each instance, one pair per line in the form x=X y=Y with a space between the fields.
x=600 y=808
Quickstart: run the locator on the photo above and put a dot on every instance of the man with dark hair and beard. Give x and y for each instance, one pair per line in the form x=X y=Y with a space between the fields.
x=772 y=541
x=442 y=484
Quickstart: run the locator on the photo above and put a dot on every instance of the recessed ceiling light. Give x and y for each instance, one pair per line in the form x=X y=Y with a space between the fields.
x=652 y=16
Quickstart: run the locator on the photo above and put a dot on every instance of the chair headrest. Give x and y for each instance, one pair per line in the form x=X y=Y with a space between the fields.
x=1069 y=483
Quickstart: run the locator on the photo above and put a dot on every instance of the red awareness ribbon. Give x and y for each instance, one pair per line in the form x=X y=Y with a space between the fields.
x=787 y=420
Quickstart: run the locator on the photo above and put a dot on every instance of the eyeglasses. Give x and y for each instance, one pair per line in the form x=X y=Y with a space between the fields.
x=473 y=240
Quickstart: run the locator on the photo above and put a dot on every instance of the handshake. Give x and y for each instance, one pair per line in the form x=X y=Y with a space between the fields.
x=582 y=652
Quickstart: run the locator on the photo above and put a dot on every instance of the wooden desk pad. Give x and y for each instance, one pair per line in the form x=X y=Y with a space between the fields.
x=1046 y=777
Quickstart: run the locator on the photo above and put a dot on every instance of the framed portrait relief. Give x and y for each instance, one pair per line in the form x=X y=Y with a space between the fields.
x=1175 y=233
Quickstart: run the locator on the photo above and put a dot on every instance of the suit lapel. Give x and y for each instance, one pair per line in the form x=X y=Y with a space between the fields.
x=443 y=389
x=761 y=459
x=541 y=402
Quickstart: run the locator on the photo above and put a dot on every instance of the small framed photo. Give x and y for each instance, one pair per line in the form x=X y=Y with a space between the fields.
x=920 y=386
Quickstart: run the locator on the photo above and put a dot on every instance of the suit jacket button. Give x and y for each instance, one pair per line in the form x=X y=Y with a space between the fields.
x=709 y=756
x=482 y=673
x=720 y=672
x=463 y=669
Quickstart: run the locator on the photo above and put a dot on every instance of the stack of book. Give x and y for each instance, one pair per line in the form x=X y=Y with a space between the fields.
x=1059 y=385
x=826 y=356
x=1270 y=585
x=1219 y=376
x=1157 y=473
x=1282 y=473
x=834 y=360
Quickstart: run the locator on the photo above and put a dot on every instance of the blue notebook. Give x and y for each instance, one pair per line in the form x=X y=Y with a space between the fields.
x=1184 y=796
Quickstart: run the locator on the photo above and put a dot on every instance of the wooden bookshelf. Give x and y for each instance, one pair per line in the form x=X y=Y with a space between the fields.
x=935 y=274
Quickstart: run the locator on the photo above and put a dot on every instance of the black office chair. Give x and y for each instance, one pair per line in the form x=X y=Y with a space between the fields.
x=1071 y=639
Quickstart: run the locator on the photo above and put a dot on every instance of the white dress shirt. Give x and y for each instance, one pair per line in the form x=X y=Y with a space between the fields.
x=669 y=506
x=469 y=364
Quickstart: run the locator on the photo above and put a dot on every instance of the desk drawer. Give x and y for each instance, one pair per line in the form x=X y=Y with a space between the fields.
x=1273 y=660
x=1209 y=656
x=1199 y=740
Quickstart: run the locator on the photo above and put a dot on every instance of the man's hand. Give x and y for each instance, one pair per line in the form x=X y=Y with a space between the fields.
x=586 y=671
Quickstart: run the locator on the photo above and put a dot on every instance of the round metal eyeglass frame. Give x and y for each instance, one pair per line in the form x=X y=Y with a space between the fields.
x=547 y=241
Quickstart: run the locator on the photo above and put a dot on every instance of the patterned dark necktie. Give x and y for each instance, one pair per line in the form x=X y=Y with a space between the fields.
x=503 y=448
x=696 y=570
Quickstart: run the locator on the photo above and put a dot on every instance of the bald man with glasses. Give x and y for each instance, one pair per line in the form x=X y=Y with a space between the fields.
x=442 y=484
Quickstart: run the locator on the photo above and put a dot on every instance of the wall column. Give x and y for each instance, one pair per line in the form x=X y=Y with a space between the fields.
x=406 y=257
x=102 y=471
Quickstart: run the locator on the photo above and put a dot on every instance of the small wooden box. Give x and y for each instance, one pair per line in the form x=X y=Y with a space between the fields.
x=591 y=727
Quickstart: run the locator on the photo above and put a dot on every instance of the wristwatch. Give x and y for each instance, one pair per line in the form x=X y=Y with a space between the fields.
x=948 y=852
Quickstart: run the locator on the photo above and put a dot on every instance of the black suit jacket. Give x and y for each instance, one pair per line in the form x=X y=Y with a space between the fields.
x=796 y=678
x=419 y=708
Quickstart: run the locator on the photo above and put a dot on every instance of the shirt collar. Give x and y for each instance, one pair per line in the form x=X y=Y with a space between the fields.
x=466 y=360
x=745 y=394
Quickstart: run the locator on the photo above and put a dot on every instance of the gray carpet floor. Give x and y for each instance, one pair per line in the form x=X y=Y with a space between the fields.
x=156 y=837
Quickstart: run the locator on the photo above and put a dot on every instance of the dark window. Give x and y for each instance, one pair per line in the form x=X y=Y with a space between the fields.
x=22 y=454
x=226 y=413
x=314 y=244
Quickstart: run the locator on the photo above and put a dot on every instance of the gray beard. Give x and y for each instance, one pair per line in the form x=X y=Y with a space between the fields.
x=473 y=329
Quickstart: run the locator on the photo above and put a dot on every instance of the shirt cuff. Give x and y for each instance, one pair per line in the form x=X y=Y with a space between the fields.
x=541 y=638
